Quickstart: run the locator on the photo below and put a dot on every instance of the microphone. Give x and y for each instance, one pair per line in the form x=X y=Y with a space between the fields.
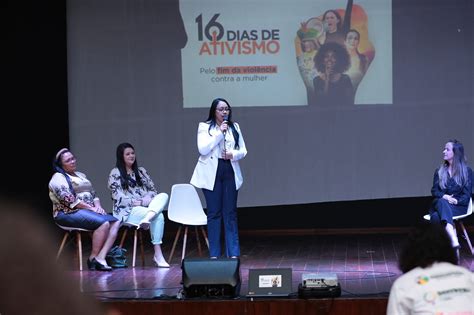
x=225 y=121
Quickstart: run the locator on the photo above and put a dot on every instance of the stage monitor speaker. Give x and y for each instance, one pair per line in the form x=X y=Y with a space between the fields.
x=204 y=277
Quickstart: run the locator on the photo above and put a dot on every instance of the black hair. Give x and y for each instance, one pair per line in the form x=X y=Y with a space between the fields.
x=460 y=172
x=125 y=180
x=211 y=119
x=343 y=60
x=338 y=16
x=427 y=243
x=58 y=167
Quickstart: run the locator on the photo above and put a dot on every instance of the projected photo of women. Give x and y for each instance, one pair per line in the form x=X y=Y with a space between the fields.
x=339 y=41
x=332 y=85
x=359 y=61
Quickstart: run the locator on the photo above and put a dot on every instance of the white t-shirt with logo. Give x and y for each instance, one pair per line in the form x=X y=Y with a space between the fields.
x=440 y=289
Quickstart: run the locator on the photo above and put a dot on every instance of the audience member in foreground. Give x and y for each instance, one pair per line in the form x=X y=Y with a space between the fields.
x=432 y=283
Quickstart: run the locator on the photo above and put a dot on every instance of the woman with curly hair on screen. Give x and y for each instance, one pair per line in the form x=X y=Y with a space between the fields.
x=332 y=86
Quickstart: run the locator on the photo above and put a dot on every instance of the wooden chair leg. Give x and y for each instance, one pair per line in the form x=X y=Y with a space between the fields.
x=79 y=249
x=122 y=241
x=142 y=248
x=205 y=236
x=61 y=247
x=185 y=238
x=197 y=240
x=174 y=244
x=134 y=248
x=466 y=236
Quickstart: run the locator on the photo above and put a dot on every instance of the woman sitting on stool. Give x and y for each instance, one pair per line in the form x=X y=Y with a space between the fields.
x=452 y=188
x=136 y=199
x=75 y=204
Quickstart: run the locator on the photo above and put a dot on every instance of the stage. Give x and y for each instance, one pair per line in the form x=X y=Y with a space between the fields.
x=365 y=264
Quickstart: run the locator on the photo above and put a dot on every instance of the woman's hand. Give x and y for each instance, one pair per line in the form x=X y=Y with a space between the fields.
x=146 y=200
x=227 y=155
x=329 y=72
x=450 y=199
x=98 y=207
x=223 y=127
x=99 y=210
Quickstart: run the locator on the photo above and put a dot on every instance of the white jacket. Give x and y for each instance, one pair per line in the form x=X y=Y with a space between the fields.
x=210 y=143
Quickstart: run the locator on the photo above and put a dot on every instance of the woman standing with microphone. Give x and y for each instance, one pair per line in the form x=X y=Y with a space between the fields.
x=221 y=146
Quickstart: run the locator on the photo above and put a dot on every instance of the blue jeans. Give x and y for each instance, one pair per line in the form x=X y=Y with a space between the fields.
x=222 y=206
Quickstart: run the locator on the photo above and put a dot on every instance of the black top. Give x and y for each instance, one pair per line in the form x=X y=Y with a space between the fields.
x=339 y=93
x=461 y=193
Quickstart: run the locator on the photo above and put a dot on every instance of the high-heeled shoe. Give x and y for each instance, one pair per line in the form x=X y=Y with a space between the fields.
x=99 y=266
x=160 y=265
x=90 y=265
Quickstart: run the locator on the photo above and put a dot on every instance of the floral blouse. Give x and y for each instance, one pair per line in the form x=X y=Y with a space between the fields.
x=123 y=199
x=64 y=199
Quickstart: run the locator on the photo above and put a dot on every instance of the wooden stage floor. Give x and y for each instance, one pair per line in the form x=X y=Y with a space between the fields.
x=366 y=266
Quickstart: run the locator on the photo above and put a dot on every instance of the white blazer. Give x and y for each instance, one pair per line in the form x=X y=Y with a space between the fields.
x=208 y=141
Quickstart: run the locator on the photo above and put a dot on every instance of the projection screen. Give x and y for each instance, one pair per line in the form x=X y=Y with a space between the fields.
x=145 y=72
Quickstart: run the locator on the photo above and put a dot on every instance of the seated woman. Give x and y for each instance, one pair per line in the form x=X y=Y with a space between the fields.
x=75 y=204
x=429 y=265
x=452 y=188
x=136 y=199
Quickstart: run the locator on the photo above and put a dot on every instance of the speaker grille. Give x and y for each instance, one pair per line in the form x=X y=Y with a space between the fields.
x=211 y=277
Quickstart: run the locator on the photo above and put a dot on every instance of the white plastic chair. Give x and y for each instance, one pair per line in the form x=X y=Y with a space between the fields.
x=458 y=220
x=137 y=234
x=186 y=209
x=70 y=230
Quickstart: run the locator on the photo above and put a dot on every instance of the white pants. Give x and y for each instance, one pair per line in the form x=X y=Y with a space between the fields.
x=157 y=224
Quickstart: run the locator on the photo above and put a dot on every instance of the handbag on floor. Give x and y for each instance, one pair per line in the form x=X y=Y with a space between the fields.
x=116 y=257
